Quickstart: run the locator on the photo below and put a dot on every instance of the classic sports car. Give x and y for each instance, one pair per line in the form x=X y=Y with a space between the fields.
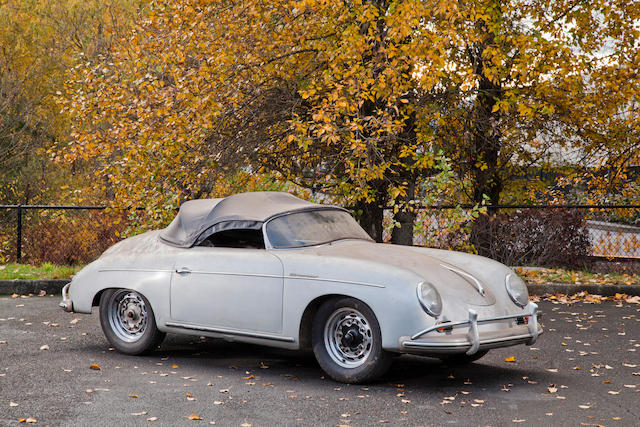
x=269 y=268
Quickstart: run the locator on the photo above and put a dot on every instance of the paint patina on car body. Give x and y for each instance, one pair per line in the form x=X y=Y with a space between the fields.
x=271 y=269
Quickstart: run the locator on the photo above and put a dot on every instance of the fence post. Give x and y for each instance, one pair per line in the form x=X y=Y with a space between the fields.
x=19 y=236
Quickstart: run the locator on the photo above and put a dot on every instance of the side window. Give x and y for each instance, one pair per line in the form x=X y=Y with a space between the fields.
x=235 y=239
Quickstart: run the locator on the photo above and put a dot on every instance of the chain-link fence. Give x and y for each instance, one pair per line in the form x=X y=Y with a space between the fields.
x=515 y=235
x=543 y=235
x=60 y=234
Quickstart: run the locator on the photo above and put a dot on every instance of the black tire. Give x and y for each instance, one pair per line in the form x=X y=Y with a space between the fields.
x=128 y=321
x=463 y=359
x=347 y=341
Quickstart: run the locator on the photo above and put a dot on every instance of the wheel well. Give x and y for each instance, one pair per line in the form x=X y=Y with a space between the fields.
x=307 y=318
x=96 y=297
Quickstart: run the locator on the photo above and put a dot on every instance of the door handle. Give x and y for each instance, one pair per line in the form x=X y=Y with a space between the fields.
x=183 y=270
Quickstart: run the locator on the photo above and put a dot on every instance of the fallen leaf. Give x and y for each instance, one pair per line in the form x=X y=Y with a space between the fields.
x=133 y=396
x=510 y=359
x=95 y=367
x=194 y=417
x=189 y=397
x=174 y=366
x=552 y=388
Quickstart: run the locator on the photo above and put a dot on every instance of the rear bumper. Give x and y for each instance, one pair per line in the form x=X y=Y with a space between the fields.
x=66 y=304
x=431 y=341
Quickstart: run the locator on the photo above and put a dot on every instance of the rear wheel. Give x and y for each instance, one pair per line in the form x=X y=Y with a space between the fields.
x=347 y=341
x=128 y=322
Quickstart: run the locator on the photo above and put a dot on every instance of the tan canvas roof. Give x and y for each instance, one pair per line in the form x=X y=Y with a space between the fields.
x=244 y=210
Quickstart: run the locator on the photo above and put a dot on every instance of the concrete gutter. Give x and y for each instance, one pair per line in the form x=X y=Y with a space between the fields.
x=25 y=287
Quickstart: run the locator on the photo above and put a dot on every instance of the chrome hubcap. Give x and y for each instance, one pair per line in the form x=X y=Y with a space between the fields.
x=348 y=338
x=127 y=315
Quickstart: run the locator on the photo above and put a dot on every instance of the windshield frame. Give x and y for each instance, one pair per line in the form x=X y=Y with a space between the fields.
x=269 y=246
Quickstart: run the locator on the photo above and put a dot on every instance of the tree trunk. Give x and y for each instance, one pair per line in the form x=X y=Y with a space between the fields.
x=403 y=235
x=370 y=215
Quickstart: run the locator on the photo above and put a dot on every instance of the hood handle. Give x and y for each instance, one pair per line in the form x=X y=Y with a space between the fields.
x=464 y=274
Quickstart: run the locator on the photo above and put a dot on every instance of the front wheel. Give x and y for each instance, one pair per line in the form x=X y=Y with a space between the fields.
x=347 y=341
x=128 y=322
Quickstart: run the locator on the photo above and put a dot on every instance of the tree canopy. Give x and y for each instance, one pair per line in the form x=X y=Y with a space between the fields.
x=365 y=101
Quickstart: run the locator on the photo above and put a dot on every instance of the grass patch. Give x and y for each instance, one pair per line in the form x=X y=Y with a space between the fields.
x=45 y=271
x=559 y=275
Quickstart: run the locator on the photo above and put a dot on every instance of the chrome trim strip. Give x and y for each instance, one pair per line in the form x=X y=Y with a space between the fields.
x=303 y=276
x=229 y=273
x=418 y=344
x=478 y=286
x=230 y=332
x=348 y=282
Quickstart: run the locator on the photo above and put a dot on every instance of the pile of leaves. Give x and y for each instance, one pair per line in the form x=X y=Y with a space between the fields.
x=585 y=297
x=559 y=275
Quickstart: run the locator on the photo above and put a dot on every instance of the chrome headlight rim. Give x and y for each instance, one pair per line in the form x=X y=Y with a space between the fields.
x=433 y=310
x=511 y=291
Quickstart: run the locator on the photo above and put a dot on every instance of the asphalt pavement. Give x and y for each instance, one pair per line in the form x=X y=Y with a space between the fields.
x=57 y=369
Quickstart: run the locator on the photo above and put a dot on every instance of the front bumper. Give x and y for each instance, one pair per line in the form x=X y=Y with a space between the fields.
x=66 y=303
x=473 y=341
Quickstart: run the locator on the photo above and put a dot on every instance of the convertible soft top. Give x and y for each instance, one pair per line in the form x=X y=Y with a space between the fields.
x=198 y=219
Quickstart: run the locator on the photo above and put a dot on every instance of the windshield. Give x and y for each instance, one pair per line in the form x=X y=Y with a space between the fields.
x=313 y=228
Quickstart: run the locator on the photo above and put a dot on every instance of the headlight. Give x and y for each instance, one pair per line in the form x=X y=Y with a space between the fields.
x=517 y=290
x=429 y=299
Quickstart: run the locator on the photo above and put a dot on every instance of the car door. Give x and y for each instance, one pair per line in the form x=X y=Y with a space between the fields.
x=228 y=289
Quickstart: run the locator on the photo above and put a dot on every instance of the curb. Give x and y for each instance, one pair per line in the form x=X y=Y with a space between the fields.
x=26 y=287
x=574 y=288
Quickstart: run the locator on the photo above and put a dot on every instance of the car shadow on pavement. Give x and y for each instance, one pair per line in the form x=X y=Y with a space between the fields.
x=217 y=356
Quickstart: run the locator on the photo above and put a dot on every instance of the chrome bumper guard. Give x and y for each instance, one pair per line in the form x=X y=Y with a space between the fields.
x=474 y=336
x=66 y=303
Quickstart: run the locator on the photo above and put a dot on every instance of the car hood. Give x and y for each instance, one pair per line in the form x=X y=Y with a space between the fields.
x=450 y=280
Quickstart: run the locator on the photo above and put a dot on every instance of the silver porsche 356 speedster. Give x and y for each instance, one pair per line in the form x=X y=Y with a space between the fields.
x=269 y=268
